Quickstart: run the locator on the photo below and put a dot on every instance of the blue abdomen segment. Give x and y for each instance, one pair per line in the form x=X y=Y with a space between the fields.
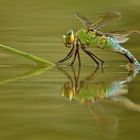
x=113 y=44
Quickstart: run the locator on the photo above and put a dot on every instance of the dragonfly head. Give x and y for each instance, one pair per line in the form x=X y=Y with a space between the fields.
x=68 y=38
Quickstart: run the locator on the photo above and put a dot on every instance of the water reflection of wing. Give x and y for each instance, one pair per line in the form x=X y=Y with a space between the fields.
x=126 y=103
x=106 y=121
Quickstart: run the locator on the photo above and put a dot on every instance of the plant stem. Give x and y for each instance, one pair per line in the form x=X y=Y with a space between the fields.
x=38 y=60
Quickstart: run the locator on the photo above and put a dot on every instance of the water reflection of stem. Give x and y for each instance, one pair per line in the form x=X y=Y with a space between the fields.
x=34 y=72
x=38 y=60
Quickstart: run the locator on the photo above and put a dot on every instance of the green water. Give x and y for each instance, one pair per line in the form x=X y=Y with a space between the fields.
x=32 y=101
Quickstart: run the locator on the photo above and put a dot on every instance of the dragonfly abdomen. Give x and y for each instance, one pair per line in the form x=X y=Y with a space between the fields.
x=112 y=43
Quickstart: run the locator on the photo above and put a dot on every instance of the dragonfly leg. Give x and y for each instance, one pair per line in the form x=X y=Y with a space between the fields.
x=91 y=56
x=75 y=55
x=79 y=60
x=102 y=62
x=69 y=55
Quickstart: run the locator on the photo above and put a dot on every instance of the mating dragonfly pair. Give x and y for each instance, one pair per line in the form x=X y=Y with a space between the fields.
x=91 y=37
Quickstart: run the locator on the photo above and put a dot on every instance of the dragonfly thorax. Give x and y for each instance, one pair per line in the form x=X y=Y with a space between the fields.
x=86 y=37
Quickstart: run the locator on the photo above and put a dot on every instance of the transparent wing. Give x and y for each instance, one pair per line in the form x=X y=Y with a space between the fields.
x=105 y=19
x=84 y=20
x=122 y=36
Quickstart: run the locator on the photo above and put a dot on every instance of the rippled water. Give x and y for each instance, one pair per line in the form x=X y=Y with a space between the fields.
x=37 y=103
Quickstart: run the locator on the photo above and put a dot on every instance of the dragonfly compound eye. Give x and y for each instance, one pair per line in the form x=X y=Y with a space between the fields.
x=70 y=37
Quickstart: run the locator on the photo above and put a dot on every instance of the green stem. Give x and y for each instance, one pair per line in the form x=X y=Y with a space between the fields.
x=38 y=60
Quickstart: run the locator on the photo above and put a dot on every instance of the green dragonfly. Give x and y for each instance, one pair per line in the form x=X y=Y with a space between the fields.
x=91 y=37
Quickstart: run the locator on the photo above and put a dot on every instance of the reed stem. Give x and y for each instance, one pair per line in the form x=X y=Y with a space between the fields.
x=38 y=60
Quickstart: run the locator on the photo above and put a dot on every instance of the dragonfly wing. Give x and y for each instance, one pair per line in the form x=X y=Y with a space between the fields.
x=105 y=19
x=84 y=20
x=122 y=36
x=124 y=33
x=122 y=40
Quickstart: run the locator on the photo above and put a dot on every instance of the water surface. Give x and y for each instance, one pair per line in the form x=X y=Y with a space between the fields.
x=33 y=105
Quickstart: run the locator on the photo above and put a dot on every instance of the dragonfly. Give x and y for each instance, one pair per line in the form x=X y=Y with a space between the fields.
x=92 y=37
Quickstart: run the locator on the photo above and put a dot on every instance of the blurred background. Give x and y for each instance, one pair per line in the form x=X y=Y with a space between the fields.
x=31 y=105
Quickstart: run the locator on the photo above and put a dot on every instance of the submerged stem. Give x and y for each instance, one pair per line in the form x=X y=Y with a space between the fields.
x=38 y=60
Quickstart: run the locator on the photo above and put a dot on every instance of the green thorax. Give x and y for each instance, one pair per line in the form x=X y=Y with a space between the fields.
x=91 y=38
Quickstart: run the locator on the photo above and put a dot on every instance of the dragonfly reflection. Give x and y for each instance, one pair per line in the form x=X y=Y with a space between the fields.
x=94 y=89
